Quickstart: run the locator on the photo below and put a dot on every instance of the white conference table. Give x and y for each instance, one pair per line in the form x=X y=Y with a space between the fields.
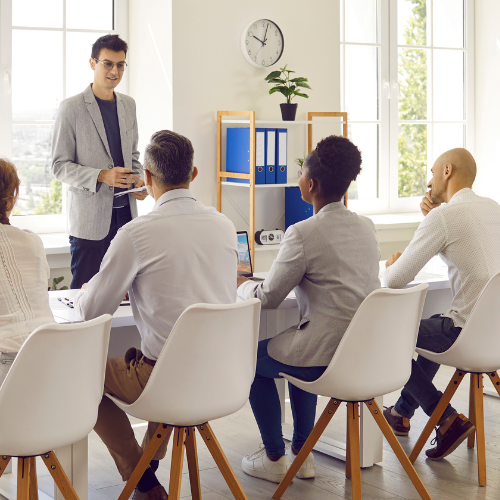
x=124 y=334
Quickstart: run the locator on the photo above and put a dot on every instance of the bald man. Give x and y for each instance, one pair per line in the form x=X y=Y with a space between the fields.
x=464 y=229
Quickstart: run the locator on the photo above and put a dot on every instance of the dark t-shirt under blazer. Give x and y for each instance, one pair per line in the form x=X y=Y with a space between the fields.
x=332 y=261
x=109 y=115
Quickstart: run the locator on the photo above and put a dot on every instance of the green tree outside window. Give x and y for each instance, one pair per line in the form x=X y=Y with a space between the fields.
x=412 y=140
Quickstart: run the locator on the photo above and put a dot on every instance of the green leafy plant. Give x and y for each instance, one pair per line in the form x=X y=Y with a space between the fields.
x=289 y=87
x=56 y=282
x=299 y=161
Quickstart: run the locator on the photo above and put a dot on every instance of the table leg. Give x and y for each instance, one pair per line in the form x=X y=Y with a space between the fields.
x=74 y=460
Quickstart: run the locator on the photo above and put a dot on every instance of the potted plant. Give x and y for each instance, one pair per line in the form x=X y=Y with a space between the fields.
x=289 y=87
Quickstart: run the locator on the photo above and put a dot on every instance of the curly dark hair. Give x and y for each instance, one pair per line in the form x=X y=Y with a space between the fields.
x=334 y=164
x=110 y=42
x=9 y=187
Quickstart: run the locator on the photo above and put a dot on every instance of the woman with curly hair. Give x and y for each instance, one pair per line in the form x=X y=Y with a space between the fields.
x=24 y=273
x=332 y=262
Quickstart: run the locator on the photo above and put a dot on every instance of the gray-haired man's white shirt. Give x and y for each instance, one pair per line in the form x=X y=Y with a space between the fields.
x=466 y=234
x=182 y=253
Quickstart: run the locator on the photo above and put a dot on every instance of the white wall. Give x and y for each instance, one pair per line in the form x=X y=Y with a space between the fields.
x=487 y=99
x=209 y=72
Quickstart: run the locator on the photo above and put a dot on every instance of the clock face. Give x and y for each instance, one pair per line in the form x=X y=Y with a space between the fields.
x=262 y=43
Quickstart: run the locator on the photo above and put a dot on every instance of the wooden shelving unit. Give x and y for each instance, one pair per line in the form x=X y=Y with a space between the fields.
x=250 y=120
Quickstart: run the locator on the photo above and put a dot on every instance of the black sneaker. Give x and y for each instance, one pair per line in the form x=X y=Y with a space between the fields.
x=399 y=425
x=448 y=443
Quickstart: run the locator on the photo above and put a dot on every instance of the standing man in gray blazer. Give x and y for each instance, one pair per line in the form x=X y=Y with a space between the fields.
x=94 y=150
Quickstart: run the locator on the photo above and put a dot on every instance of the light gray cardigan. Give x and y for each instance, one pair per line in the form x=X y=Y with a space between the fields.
x=80 y=151
x=332 y=261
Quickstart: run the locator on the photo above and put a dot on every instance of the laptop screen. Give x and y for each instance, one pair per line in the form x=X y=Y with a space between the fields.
x=245 y=264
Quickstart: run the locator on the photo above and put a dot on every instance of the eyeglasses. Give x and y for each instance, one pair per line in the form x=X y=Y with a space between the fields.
x=109 y=65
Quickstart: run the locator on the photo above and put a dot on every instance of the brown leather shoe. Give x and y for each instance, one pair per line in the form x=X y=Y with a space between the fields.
x=447 y=443
x=400 y=425
x=157 y=493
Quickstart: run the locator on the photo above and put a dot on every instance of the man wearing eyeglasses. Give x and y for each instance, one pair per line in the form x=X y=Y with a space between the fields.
x=94 y=150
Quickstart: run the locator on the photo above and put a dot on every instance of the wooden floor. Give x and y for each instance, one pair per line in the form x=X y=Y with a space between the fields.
x=451 y=478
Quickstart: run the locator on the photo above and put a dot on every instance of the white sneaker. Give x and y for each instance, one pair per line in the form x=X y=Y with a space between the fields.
x=259 y=465
x=306 y=470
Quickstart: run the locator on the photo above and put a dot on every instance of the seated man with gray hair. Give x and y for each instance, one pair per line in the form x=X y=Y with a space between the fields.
x=166 y=260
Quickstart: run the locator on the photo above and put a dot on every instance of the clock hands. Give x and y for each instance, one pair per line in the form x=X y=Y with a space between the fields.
x=259 y=40
x=265 y=34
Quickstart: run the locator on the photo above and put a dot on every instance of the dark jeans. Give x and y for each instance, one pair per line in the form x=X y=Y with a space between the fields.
x=87 y=255
x=436 y=334
x=266 y=406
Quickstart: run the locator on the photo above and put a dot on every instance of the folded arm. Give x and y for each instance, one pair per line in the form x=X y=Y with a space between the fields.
x=428 y=241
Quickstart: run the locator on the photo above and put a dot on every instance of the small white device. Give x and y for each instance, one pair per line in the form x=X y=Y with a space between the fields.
x=272 y=237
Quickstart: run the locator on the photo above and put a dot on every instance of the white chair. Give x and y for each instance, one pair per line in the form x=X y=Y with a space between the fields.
x=204 y=372
x=476 y=351
x=373 y=358
x=50 y=398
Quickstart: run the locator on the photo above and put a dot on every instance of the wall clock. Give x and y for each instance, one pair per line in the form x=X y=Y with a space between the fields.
x=262 y=43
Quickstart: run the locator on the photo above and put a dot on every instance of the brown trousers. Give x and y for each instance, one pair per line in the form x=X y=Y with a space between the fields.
x=125 y=379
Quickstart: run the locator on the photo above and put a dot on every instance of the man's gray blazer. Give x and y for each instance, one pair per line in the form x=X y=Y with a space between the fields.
x=80 y=151
x=332 y=261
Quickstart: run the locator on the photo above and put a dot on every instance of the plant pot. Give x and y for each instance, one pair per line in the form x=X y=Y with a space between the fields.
x=288 y=112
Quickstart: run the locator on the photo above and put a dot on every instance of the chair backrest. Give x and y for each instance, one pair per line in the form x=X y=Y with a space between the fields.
x=477 y=348
x=206 y=367
x=52 y=392
x=374 y=356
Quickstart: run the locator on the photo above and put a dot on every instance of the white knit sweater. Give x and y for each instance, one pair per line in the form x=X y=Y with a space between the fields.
x=24 y=301
x=466 y=234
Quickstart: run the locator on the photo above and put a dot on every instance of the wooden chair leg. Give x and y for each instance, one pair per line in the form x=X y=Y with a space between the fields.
x=33 y=495
x=60 y=478
x=495 y=379
x=472 y=414
x=192 y=460
x=354 y=453
x=347 y=453
x=23 y=478
x=162 y=432
x=479 y=413
x=4 y=461
x=320 y=426
x=221 y=461
x=436 y=415
x=174 y=489
x=397 y=448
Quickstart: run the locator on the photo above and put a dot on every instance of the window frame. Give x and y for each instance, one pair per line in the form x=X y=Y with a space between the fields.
x=50 y=223
x=388 y=93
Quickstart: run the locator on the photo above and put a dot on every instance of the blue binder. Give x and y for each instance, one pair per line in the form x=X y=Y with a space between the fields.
x=260 y=155
x=270 y=156
x=238 y=153
x=281 y=156
x=296 y=209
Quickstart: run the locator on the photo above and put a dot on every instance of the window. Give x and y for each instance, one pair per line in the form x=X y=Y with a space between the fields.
x=44 y=53
x=407 y=82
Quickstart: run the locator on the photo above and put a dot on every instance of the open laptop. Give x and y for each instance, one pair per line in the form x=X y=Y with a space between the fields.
x=245 y=263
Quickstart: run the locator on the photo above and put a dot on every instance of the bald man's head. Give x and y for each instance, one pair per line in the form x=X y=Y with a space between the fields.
x=464 y=165
x=452 y=171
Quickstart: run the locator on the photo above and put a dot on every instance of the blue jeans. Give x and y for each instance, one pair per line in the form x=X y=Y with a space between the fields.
x=266 y=406
x=436 y=334
x=87 y=255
